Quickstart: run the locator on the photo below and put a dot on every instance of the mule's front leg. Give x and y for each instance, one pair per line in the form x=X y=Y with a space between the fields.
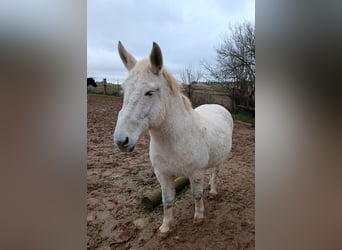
x=196 y=182
x=168 y=195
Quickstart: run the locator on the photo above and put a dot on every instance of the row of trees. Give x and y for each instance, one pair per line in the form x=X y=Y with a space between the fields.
x=234 y=66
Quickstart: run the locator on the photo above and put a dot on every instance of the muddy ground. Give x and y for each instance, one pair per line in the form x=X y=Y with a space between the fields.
x=117 y=181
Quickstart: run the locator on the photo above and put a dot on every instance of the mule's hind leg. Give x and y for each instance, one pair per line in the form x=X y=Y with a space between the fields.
x=212 y=183
x=196 y=182
x=168 y=195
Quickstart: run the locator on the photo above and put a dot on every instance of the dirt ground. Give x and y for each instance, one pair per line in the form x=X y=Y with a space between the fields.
x=117 y=181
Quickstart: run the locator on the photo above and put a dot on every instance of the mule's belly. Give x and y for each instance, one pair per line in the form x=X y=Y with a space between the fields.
x=217 y=126
x=180 y=159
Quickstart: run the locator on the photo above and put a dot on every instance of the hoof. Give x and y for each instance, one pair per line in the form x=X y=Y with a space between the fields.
x=212 y=195
x=198 y=221
x=163 y=235
x=164 y=231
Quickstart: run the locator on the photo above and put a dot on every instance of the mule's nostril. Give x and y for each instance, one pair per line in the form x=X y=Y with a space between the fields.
x=125 y=142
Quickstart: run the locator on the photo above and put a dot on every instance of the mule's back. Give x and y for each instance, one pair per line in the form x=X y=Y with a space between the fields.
x=217 y=127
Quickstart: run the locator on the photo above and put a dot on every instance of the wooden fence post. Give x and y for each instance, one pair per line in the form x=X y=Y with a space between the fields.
x=104 y=86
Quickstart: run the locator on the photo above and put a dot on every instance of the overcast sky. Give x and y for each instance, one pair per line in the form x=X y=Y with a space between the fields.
x=187 y=31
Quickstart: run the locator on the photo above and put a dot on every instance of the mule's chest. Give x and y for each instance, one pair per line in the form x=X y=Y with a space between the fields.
x=178 y=160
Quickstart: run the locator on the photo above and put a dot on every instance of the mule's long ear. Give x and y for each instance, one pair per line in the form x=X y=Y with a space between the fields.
x=156 y=59
x=127 y=59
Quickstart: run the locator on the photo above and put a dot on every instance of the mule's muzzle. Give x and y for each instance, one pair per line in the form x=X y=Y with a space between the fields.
x=124 y=145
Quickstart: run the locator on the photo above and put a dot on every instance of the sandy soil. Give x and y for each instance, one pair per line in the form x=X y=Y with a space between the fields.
x=117 y=181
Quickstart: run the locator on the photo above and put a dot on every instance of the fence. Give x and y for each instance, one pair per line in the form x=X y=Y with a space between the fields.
x=199 y=94
x=105 y=88
x=203 y=94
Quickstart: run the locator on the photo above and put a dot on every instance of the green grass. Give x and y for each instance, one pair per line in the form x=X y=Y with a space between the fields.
x=181 y=194
x=106 y=96
x=244 y=118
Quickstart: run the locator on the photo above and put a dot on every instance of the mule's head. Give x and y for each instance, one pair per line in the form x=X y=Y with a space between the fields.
x=143 y=105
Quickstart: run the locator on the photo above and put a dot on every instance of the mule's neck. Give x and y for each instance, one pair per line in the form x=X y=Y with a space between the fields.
x=178 y=120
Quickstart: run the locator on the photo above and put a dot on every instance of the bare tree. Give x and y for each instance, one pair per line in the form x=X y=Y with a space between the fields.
x=189 y=76
x=235 y=60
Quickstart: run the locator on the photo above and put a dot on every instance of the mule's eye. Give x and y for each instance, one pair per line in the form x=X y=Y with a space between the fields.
x=149 y=93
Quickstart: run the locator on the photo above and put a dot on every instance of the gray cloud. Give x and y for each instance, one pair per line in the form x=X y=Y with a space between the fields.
x=187 y=31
